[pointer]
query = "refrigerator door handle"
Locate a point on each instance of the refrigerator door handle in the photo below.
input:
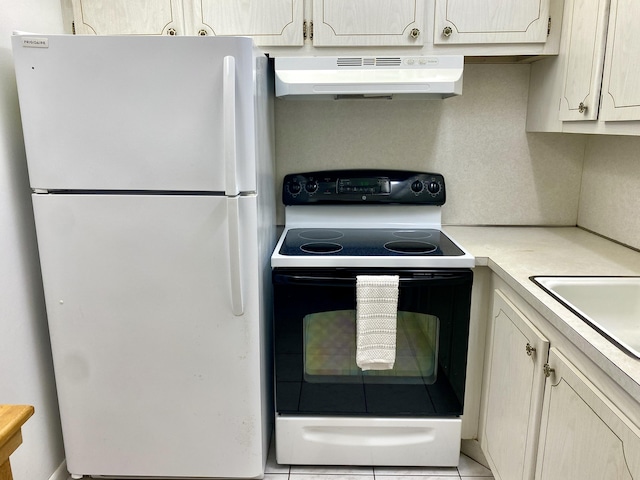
(235, 270)
(229, 126)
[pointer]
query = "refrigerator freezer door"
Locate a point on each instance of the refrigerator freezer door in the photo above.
(137, 113)
(156, 375)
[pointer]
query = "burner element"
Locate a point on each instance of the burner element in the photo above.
(412, 234)
(321, 247)
(320, 234)
(410, 247)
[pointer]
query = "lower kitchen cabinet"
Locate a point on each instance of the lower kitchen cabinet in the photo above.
(542, 417)
(515, 387)
(583, 436)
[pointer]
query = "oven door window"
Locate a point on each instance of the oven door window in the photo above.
(329, 346)
(315, 344)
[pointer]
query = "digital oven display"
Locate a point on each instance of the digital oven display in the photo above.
(364, 185)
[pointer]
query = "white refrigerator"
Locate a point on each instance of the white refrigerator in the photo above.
(151, 165)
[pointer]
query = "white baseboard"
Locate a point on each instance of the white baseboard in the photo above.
(61, 472)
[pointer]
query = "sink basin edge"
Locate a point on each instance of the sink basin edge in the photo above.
(608, 304)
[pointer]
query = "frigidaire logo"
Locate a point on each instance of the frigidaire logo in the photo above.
(35, 42)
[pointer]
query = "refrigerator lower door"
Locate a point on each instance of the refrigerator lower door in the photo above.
(156, 374)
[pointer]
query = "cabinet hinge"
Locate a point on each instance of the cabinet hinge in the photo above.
(307, 30)
(73, 27)
(549, 27)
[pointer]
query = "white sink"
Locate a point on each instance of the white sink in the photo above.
(611, 305)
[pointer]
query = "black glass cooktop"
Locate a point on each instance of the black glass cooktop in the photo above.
(363, 242)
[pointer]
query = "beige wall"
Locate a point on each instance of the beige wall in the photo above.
(26, 370)
(610, 199)
(496, 173)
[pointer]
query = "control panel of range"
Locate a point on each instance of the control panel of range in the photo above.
(364, 186)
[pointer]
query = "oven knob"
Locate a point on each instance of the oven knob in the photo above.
(433, 187)
(294, 188)
(311, 187)
(417, 186)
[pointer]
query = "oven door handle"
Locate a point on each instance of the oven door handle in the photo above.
(328, 280)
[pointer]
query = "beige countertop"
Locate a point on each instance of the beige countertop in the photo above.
(517, 253)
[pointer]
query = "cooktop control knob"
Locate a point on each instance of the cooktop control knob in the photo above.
(433, 187)
(311, 187)
(417, 186)
(294, 187)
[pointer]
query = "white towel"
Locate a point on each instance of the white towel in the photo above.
(376, 316)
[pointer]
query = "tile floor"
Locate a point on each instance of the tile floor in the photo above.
(467, 469)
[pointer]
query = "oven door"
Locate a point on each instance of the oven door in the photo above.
(315, 344)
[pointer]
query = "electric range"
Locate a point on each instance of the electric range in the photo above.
(340, 227)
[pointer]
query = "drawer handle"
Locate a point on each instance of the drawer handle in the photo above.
(415, 33)
(547, 370)
(582, 107)
(447, 31)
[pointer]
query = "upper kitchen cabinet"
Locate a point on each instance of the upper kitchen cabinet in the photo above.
(491, 21)
(272, 22)
(593, 86)
(589, 64)
(125, 17)
(621, 82)
(339, 27)
(368, 22)
(586, 32)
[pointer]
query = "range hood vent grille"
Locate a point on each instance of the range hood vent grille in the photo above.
(349, 62)
(368, 62)
(388, 61)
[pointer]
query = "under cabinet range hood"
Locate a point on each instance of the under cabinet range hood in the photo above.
(410, 77)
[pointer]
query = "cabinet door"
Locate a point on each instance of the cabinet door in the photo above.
(272, 22)
(583, 436)
(621, 83)
(368, 22)
(586, 30)
(515, 386)
(491, 21)
(127, 17)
